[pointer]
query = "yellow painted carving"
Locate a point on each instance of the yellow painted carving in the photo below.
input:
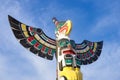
(69, 26)
(26, 34)
(23, 26)
(71, 73)
(95, 46)
(43, 42)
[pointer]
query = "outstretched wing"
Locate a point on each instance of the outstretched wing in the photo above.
(88, 52)
(34, 39)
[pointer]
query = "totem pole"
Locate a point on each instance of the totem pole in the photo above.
(69, 55)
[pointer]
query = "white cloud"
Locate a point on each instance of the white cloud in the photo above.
(2, 64)
(110, 18)
(43, 67)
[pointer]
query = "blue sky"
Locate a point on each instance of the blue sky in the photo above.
(93, 20)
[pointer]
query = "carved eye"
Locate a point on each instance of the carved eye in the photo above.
(63, 42)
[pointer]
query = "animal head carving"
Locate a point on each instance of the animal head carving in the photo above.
(63, 28)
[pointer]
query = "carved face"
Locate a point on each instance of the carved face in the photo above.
(67, 46)
(67, 52)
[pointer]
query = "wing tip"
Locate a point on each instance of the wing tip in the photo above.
(10, 17)
(100, 44)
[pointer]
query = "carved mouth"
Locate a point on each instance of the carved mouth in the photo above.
(68, 52)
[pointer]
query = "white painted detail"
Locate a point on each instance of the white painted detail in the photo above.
(62, 78)
(61, 36)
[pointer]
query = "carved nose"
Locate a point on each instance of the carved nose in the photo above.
(69, 46)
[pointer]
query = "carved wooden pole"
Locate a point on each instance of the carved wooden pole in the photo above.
(67, 67)
(70, 55)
